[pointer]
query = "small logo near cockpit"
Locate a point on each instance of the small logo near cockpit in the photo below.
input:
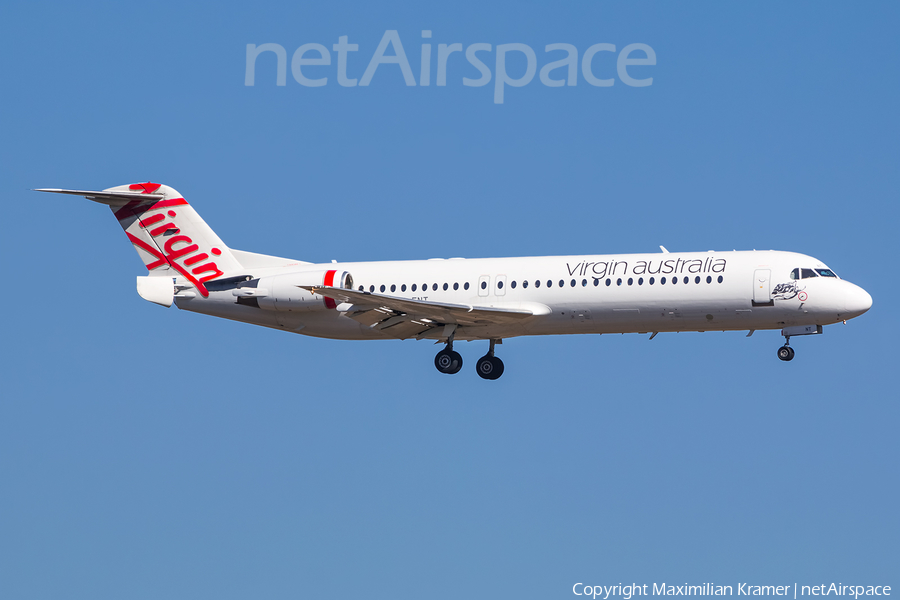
(787, 291)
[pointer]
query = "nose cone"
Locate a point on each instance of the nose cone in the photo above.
(856, 301)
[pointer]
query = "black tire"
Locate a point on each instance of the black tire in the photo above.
(448, 361)
(443, 361)
(786, 353)
(498, 367)
(489, 367)
(484, 367)
(457, 363)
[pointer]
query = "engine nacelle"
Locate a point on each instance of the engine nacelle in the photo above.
(282, 292)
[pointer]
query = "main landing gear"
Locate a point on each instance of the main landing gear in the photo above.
(449, 361)
(786, 353)
(489, 366)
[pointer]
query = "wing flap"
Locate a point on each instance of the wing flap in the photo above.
(404, 318)
(403, 328)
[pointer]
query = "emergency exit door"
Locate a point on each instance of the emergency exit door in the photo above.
(762, 288)
(484, 284)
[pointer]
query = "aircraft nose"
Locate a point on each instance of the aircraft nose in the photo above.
(856, 301)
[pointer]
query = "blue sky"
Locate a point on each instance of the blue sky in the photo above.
(150, 453)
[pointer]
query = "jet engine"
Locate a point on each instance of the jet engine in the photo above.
(283, 292)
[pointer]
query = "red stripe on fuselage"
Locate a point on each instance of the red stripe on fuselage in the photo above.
(329, 282)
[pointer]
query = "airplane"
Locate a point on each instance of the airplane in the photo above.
(456, 299)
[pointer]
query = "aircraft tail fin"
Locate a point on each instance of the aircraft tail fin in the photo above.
(168, 234)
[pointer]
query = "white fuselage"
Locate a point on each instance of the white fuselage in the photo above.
(711, 291)
(472, 299)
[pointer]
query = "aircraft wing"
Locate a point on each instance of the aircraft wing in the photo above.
(406, 318)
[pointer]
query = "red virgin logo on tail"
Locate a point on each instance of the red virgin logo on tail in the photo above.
(180, 251)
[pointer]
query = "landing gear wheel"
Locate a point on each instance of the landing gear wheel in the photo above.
(457, 363)
(786, 353)
(498, 367)
(448, 361)
(489, 367)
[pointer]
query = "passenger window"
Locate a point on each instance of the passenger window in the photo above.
(563, 283)
(393, 288)
(652, 281)
(686, 279)
(720, 279)
(403, 288)
(371, 288)
(484, 285)
(709, 279)
(608, 282)
(795, 274)
(466, 285)
(662, 281)
(674, 280)
(382, 288)
(640, 281)
(549, 283)
(413, 287)
(434, 287)
(445, 287)
(455, 286)
(808, 273)
(630, 281)
(572, 283)
(697, 279)
(513, 284)
(596, 282)
(537, 283)
(525, 284)
(500, 285)
(619, 281)
(360, 288)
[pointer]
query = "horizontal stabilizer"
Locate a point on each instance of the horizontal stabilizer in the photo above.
(169, 236)
(110, 198)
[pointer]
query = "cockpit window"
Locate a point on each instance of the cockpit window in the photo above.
(795, 274)
(826, 272)
(808, 273)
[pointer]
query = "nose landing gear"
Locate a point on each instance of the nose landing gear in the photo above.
(489, 366)
(786, 353)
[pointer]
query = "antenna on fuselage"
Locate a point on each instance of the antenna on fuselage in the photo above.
(663, 248)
